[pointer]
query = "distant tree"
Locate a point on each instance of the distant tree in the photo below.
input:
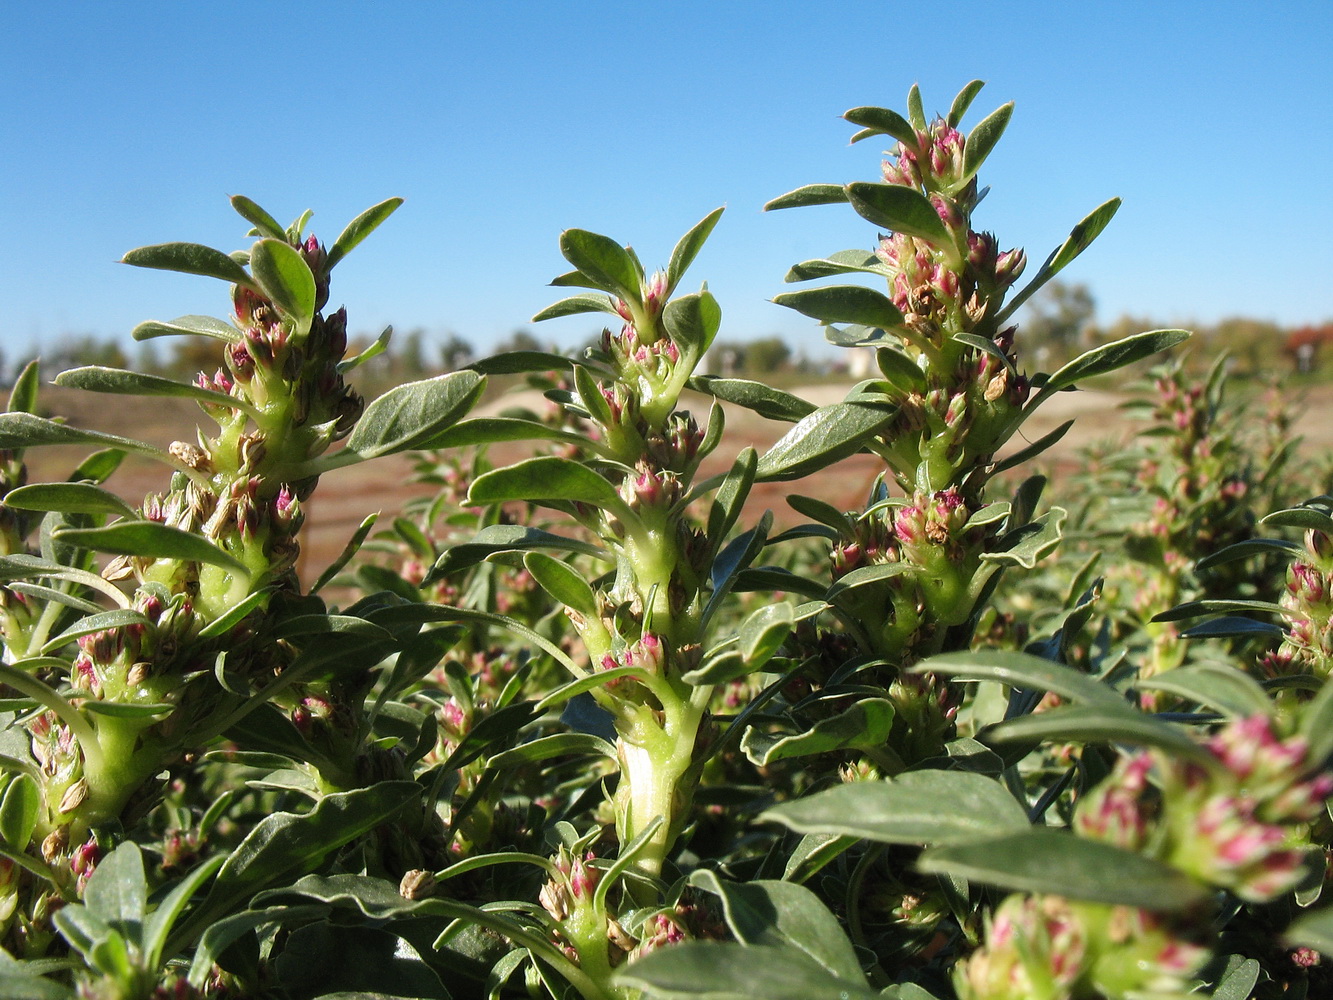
(519, 340)
(456, 353)
(409, 359)
(766, 355)
(1253, 343)
(1056, 319)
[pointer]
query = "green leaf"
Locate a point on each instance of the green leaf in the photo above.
(1239, 982)
(189, 258)
(576, 304)
(359, 228)
(1022, 670)
(784, 915)
(692, 322)
(918, 807)
(963, 101)
(95, 378)
(916, 112)
(767, 402)
(810, 194)
(154, 541)
(23, 430)
(159, 923)
(284, 845)
(204, 326)
(1109, 357)
(18, 985)
(408, 416)
(688, 248)
(764, 631)
(1079, 239)
(377, 347)
(982, 139)
(604, 261)
(334, 962)
(730, 498)
(69, 498)
(547, 477)
(1047, 860)
(1233, 625)
(1099, 724)
(521, 362)
(285, 278)
(1251, 547)
(1028, 544)
(1025, 455)
(563, 583)
(118, 618)
(349, 550)
(821, 438)
(23, 394)
(843, 304)
(19, 811)
(117, 892)
(557, 745)
(842, 262)
(497, 538)
(257, 217)
(866, 723)
(1219, 686)
(900, 209)
(884, 122)
(707, 970)
(1317, 724)
(1302, 518)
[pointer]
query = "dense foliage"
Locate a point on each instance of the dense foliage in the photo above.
(582, 725)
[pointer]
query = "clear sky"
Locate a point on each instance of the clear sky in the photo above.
(502, 122)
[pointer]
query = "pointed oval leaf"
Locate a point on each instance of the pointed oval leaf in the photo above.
(884, 122)
(1079, 239)
(762, 399)
(707, 970)
(154, 541)
(865, 724)
(1219, 686)
(916, 112)
(521, 362)
(23, 395)
(24, 430)
(843, 304)
(1229, 626)
(1303, 518)
(285, 278)
(204, 326)
(764, 632)
(557, 745)
(361, 227)
(117, 891)
(562, 582)
(963, 101)
(842, 262)
(1099, 724)
(1022, 670)
(982, 139)
(95, 378)
(1313, 930)
(189, 258)
(547, 477)
(693, 322)
(730, 497)
(576, 304)
(69, 498)
(19, 812)
(117, 618)
(603, 260)
(1110, 357)
(497, 538)
(825, 436)
(810, 194)
(688, 248)
(1046, 860)
(901, 209)
(409, 415)
(257, 217)
(918, 807)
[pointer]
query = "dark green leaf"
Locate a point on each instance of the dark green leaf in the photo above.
(842, 262)
(603, 260)
(1029, 543)
(23, 394)
(688, 248)
(361, 227)
(918, 807)
(1303, 518)
(563, 583)
(1219, 686)
(285, 278)
(189, 258)
(1109, 357)
(900, 209)
(576, 304)
(117, 891)
(257, 217)
(764, 631)
(557, 745)
(865, 724)
(1022, 671)
(547, 477)
(204, 326)
(982, 139)
(69, 498)
(19, 812)
(1098, 724)
(1046, 860)
(118, 618)
(349, 550)
(95, 378)
(784, 915)
(1031, 451)
(409, 415)
(692, 322)
(1313, 930)
(153, 540)
(706, 970)
(1079, 239)
(1317, 724)
(1251, 547)
(521, 362)
(498, 538)
(730, 498)
(821, 438)
(810, 194)
(884, 122)
(377, 347)
(963, 101)
(158, 924)
(23, 430)
(843, 304)
(328, 961)
(916, 112)
(1233, 625)
(824, 513)
(767, 402)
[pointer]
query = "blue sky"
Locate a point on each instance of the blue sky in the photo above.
(502, 123)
